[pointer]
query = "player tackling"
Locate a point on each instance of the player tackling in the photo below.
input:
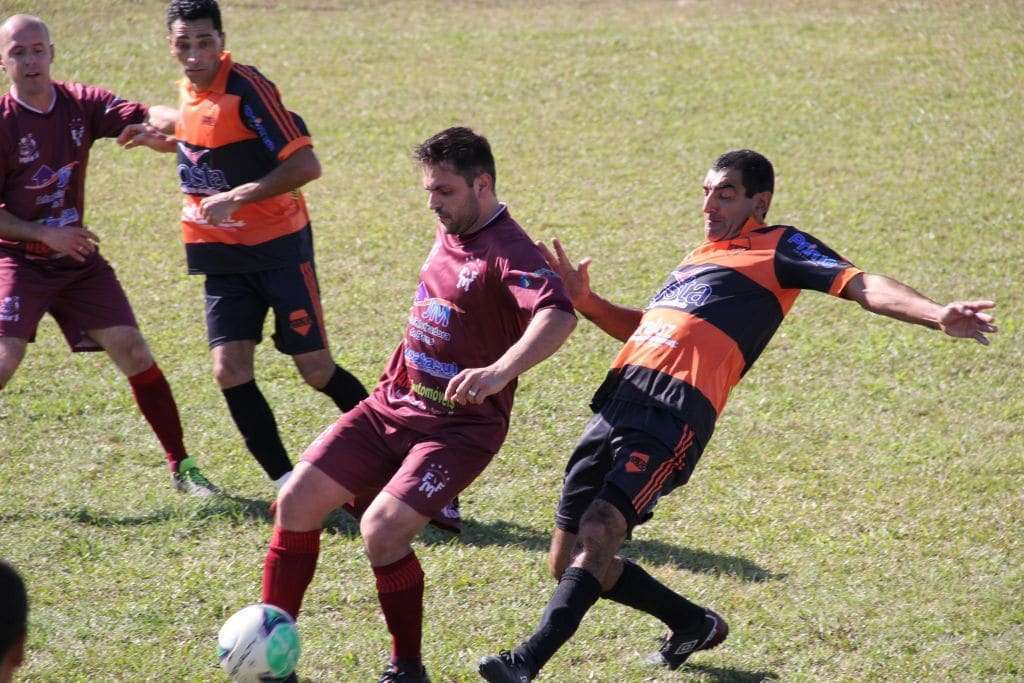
(656, 410)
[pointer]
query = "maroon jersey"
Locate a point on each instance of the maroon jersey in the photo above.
(43, 155)
(475, 297)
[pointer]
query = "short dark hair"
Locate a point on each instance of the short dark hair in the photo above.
(191, 10)
(755, 170)
(467, 153)
(13, 608)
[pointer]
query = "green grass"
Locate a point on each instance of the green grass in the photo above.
(857, 515)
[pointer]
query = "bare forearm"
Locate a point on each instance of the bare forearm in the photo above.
(615, 320)
(297, 170)
(543, 336)
(19, 230)
(885, 296)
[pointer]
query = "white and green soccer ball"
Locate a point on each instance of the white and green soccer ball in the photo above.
(258, 643)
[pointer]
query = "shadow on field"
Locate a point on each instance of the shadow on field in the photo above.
(504, 533)
(726, 675)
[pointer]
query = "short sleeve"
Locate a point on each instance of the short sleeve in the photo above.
(530, 281)
(109, 113)
(803, 262)
(282, 132)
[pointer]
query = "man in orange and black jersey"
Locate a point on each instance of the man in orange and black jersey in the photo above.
(656, 410)
(242, 157)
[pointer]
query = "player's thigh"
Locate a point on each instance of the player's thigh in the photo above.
(437, 468)
(589, 464)
(360, 451)
(12, 351)
(298, 315)
(95, 300)
(650, 462)
(308, 497)
(125, 346)
(26, 292)
(235, 308)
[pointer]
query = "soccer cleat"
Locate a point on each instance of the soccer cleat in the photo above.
(677, 647)
(505, 667)
(449, 518)
(188, 479)
(393, 675)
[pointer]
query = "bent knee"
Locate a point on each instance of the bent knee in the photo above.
(318, 377)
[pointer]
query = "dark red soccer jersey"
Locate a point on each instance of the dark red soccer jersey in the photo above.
(43, 155)
(475, 297)
(713, 317)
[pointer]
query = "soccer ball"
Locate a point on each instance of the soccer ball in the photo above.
(258, 643)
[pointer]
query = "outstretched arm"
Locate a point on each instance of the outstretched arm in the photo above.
(546, 332)
(618, 321)
(885, 296)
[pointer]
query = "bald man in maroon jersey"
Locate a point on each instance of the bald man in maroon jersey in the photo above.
(49, 260)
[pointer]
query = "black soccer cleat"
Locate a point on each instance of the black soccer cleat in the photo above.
(504, 668)
(678, 647)
(393, 675)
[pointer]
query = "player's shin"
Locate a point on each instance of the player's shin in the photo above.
(289, 567)
(400, 591)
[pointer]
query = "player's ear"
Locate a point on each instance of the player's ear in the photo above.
(483, 182)
(762, 202)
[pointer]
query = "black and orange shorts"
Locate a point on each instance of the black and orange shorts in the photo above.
(630, 455)
(237, 305)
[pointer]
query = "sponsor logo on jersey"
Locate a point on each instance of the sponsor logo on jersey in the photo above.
(300, 321)
(202, 180)
(256, 123)
(652, 332)
(432, 394)
(434, 479)
(65, 217)
(28, 149)
(46, 177)
(685, 292)
(430, 365)
(10, 309)
(637, 462)
(77, 130)
(810, 251)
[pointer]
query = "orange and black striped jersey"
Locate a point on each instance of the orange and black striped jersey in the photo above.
(236, 132)
(707, 325)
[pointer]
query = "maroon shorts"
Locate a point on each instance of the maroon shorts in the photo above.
(367, 453)
(80, 297)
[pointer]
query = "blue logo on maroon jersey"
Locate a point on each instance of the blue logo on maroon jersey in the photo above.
(45, 177)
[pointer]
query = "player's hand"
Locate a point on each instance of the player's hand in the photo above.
(473, 385)
(218, 208)
(145, 135)
(575, 278)
(78, 243)
(966, 319)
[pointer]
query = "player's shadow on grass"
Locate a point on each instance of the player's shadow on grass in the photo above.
(727, 675)
(652, 552)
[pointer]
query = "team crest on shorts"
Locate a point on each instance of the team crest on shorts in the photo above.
(637, 462)
(300, 321)
(10, 309)
(435, 479)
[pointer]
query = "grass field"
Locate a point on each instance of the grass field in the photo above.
(857, 516)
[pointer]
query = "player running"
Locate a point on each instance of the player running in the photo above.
(486, 309)
(656, 410)
(49, 261)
